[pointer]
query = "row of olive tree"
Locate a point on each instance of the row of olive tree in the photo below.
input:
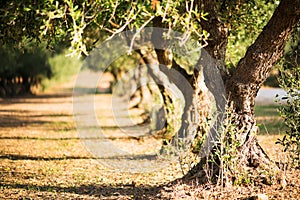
(210, 23)
(27, 67)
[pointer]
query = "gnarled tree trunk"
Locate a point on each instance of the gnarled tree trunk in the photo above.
(252, 70)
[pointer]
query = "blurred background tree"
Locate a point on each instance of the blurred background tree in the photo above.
(22, 68)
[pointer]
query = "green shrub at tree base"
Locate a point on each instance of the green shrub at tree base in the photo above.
(289, 80)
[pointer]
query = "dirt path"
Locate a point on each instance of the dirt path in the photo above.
(43, 157)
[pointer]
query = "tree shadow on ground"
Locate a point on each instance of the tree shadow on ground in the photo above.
(9, 121)
(98, 191)
(38, 158)
(30, 114)
(36, 99)
(21, 118)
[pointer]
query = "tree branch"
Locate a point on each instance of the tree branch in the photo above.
(265, 52)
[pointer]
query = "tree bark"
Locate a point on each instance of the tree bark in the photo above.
(252, 71)
(254, 68)
(191, 86)
(161, 79)
(218, 34)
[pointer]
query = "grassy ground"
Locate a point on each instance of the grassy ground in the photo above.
(269, 120)
(42, 157)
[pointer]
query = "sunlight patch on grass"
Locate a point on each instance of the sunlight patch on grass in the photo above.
(269, 120)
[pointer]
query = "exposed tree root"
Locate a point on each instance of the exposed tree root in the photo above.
(252, 165)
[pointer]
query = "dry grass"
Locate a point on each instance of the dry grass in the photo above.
(42, 157)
